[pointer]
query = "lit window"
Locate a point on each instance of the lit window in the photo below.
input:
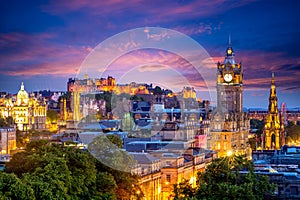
(225, 145)
(168, 178)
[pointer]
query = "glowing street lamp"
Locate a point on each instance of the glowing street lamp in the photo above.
(229, 153)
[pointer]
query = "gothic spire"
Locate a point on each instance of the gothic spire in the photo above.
(273, 87)
(273, 107)
(229, 57)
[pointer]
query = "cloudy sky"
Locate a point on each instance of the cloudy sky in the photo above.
(43, 43)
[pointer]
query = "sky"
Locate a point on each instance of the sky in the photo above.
(43, 43)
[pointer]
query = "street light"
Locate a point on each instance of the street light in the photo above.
(229, 153)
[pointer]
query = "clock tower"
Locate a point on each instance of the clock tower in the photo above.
(230, 84)
(229, 124)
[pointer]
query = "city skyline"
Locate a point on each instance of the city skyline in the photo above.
(44, 44)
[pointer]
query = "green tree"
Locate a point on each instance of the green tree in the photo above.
(11, 187)
(183, 190)
(259, 125)
(118, 163)
(111, 155)
(115, 140)
(107, 96)
(36, 145)
(223, 180)
(58, 172)
(292, 132)
(158, 90)
(106, 185)
(3, 122)
(52, 116)
(41, 155)
(52, 181)
(10, 121)
(136, 98)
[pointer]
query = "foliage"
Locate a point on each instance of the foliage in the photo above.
(227, 178)
(111, 155)
(106, 185)
(52, 116)
(157, 90)
(107, 97)
(20, 138)
(50, 171)
(136, 98)
(292, 132)
(256, 124)
(115, 140)
(50, 182)
(66, 96)
(259, 125)
(12, 188)
(6, 122)
(183, 190)
(36, 145)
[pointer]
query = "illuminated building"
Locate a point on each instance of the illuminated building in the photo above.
(108, 84)
(274, 129)
(7, 140)
(27, 111)
(288, 114)
(229, 125)
(149, 173)
(159, 170)
(188, 92)
(81, 87)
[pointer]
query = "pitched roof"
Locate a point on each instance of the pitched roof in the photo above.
(144, 158)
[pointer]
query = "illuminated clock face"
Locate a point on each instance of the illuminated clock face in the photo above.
(229, 51)
(227, 77)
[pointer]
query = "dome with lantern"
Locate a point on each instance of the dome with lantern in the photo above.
(22, 96)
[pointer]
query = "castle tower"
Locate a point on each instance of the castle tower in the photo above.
(272, 121)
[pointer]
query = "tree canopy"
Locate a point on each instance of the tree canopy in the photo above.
(6, 122)
(51, 171)
(52, 116)
(292, 132)
(230, 177)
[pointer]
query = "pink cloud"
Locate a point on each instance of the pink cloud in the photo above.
(30, 55)
(197, 29)
(149, 9)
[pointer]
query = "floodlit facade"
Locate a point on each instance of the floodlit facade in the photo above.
(29, 112)
(7, 140)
